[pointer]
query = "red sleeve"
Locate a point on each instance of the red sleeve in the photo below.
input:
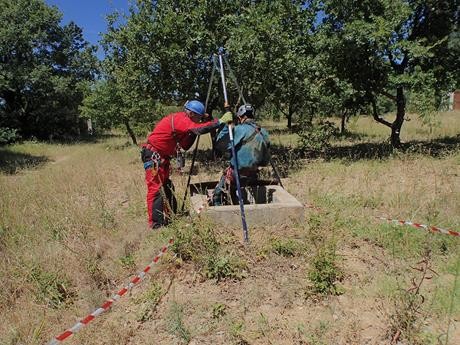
(183, 124)
(187, 141)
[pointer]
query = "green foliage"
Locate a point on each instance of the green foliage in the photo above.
(273, 54)
(161, 52)
(43, 65)
(423, 99)
(127, 261)
(218, 310)
(385, 48)
(316, 137)
(284, 247)
(8, 136)
(199, 243)
(236, 331)
(193, 241)
(324, 272)
(224, 266)
(50, 287)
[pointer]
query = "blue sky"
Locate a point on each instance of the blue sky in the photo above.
(89, 15)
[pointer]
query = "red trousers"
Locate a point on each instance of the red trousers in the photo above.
(161, 201)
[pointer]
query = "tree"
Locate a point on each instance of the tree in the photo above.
(42, 66)
(161, 52)
(271, 46)
(386, 47)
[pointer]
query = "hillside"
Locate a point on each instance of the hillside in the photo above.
(73, 232)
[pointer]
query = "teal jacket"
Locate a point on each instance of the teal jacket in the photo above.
(251, 144)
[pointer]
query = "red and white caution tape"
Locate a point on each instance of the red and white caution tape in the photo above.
(108, 303)
(422, 226)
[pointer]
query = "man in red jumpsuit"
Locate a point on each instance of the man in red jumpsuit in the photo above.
(172, 133)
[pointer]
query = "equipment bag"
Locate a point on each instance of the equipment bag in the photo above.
(259, 146)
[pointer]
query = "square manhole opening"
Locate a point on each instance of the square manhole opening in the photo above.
(254, 193)
(266, 203)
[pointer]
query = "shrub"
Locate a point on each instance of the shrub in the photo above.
(324, 272)
(221, 267)
(8, 136)
(316, 137)
(148, 301)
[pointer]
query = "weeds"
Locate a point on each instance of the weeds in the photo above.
(316, 335)
(324, 273)
(50, 288)
(199, 244)
(405, 322)
(176, 323)
(284, 247)
(221, 267)
(236, 332)
(218, 310)
(149, 300)
(57, 207)
(127, 261)
(194, 241)
(263, 325)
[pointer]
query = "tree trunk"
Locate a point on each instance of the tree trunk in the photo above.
(400, 113)
(289, 120)
(342, 123)
(289, 117)
(130, 132)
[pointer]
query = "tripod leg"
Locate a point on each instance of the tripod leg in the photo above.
(277, 175)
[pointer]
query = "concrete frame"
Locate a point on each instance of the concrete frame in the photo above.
(282, 208)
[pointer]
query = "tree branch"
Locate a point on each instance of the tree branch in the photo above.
(377, 117)
(389, 95)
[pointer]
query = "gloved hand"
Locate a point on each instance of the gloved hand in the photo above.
(226, 118)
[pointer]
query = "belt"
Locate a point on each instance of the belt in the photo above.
(150, 147)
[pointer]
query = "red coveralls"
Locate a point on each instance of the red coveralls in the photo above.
(174, 130)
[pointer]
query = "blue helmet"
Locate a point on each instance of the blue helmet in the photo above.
(195, 106)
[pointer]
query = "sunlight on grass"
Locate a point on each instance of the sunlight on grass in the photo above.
(73, 228)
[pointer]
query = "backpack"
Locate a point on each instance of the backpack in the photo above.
(258, 145)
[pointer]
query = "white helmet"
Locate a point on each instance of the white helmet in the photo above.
(245, 110)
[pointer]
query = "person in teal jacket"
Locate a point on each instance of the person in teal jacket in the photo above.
(251, 147)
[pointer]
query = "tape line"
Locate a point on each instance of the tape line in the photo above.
(422, 226)
(108, 303)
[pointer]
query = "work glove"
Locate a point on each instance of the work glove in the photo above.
(226, 118)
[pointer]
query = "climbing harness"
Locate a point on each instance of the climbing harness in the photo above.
(151, 159)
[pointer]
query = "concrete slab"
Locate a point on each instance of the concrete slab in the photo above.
(265, 204)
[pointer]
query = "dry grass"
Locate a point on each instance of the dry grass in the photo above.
(73, 230)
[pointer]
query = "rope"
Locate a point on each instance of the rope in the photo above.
(232, 75)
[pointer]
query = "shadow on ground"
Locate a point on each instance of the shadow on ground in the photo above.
(434, 148)
(289, 159)
(13, 162)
